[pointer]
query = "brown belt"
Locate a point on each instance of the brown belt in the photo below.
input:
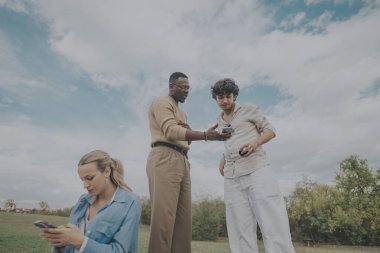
(172, 146)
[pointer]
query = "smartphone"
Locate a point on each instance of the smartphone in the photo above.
(228, 130)
(43, 224)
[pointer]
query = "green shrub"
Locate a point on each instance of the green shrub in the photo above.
(146, 211)
(208, 219)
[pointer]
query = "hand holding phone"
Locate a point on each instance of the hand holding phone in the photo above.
(43, 224)
(228, 130)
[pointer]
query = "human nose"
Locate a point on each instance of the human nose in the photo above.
(85, 184)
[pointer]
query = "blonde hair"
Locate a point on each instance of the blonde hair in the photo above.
(103, 160)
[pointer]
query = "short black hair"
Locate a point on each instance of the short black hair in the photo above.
(224, 86)
(173, 77)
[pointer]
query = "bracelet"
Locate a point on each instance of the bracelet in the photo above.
(205, 135)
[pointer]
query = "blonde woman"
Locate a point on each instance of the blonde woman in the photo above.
(106, 219)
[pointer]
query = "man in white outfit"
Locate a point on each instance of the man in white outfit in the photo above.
(251, 192)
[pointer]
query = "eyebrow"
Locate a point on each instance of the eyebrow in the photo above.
(88, 177)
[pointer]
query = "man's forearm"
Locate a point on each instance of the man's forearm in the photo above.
(210, 135)
(195, 135)
(266, 136)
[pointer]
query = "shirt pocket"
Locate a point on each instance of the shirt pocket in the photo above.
(104, 231)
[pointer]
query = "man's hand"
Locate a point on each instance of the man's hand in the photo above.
(221, 166)
(248, 148)
(251, 147)
(213, 135)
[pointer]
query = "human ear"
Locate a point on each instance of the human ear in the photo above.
(107, 171)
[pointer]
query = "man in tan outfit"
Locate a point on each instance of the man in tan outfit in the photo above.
(168, 169)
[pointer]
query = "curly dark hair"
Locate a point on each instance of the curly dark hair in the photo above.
(224, 86)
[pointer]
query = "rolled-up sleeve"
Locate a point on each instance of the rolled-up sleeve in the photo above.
(257, 118)
(164, 114)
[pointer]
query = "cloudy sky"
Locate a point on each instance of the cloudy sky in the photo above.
(80, 75)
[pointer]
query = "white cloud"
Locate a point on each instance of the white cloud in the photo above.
(313, 145)
(140, 44)
(39, 161)
(41, 164)
(322, 21)
(14, 5)
(313, 2)
(145, 38)
(298, 18)
(344, 61)
(294, 21)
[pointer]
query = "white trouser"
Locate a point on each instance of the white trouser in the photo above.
(256, 199)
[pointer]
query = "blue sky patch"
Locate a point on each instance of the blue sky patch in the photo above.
(65, 96)
(287, 10)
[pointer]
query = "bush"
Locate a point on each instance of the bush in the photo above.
(208, 220)
(344, 213)
(146, 211)
(65, 212)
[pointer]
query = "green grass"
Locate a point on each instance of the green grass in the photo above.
(19, 235)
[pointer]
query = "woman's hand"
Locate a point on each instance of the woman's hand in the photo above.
(63, 236)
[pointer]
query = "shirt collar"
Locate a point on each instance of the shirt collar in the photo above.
(236, 108)
(174, 101)
(118, 196)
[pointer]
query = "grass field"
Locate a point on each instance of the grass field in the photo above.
(19, 235)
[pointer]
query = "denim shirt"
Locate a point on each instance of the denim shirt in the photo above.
(115, 227)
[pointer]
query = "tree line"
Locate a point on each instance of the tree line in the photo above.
(347, 212)
(44, 208)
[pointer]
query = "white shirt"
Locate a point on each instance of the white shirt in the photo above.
(248, 123)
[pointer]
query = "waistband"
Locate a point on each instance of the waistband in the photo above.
(170, 145)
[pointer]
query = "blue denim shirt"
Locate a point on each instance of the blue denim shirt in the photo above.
(115, 227)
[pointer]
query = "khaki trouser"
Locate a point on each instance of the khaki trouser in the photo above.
(170, 194)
